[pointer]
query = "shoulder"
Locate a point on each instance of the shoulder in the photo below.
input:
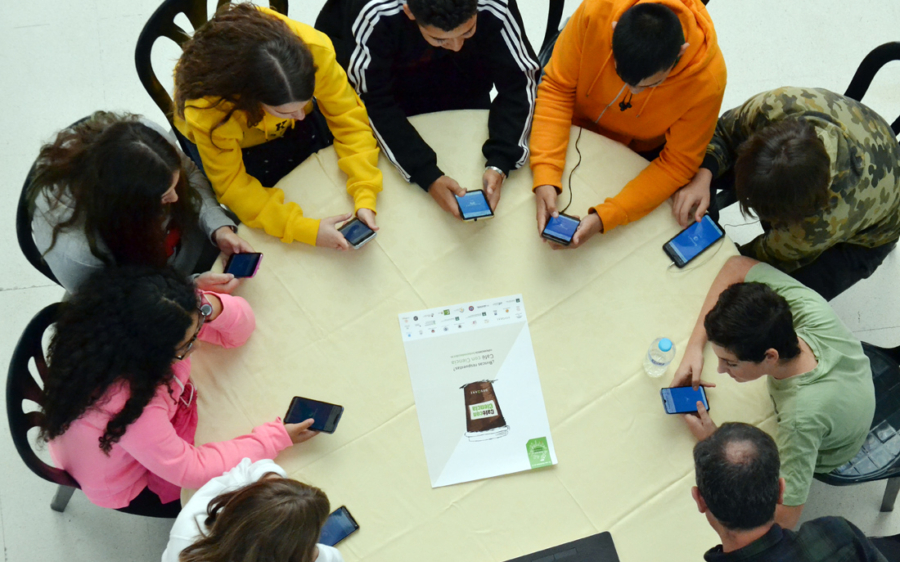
(372, 14)
(836, 531)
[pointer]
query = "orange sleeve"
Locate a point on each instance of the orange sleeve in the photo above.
(556, 103)
(686, 142)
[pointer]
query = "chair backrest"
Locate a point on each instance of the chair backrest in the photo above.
(21, 386)
(162, 24)
(870, 66)
(23, 231)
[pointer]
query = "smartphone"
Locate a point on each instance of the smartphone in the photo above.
(683, 399)
(357, 233)
(325, 416)
(474, 205)
(561, 229)
(339, 525)
(243, 265)
(693, 240)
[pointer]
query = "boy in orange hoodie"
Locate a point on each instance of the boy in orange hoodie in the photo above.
(647, 74)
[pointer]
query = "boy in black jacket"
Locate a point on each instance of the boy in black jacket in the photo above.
(419, 56)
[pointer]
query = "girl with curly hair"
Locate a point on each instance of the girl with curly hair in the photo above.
(120, 411)
(114, 189)
(249, 89)
(252, 513)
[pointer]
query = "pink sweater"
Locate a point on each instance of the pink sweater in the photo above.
(150, 450)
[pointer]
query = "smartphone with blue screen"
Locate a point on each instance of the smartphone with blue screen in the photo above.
(693, 241)
(357, 233)
(561, 229)
(243, 265)
(325, 416)
(474, 205)
(339, 525)
(683, 399)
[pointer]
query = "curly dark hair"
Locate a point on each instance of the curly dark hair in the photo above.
(274, 518)
(445, 15)
(244, 58)
(116, 170)
(122, 327)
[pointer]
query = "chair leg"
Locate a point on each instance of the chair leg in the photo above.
(63, 495)
(890, 494)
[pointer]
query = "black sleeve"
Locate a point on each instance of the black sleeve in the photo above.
(370, 73)
(515, 70)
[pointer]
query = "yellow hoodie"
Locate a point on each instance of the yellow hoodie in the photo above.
(581, 81)
(264, 207)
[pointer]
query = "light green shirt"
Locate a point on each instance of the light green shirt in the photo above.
(823, 415)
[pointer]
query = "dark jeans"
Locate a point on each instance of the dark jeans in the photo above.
(837, 269)
(271, 161)
(148, 504)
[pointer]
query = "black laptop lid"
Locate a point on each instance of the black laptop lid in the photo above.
(596, 548)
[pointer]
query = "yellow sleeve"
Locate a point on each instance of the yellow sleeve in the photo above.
(348, 121)
(256, 206)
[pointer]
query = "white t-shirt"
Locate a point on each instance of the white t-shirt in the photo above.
(185, 531)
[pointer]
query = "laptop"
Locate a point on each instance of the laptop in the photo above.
(596, 548)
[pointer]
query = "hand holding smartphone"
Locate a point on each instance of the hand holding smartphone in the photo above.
(474, 205)
(693, 240)
(243, 265)
(683, 399)
(325, 416)
(357, 233)
(560, 229)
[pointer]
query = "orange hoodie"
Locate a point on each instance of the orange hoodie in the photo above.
(581, 81)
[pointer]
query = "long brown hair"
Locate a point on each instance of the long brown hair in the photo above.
(116, 170)
(273, 519)
(245, 58)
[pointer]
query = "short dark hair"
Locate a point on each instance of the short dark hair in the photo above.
(782, 172)
(647, 40)
(737, 470)
(750, 318)
(446, 15)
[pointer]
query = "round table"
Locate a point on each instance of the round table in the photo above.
(327, 329)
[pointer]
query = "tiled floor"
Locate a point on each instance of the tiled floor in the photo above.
(62, 60)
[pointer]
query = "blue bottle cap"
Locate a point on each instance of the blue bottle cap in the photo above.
(665, 345)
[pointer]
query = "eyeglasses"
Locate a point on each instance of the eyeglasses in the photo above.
(205, 310)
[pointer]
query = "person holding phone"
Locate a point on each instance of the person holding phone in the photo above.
(646, 73)
(409, 57)
(762, 323)
(252, 512)
(113, 189)
(255, 94)
(824, 184)
(119, 407)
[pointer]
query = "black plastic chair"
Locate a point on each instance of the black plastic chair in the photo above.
(870, 66)
(21, 386)
(879, 458)
(162, 24)
(23, 232)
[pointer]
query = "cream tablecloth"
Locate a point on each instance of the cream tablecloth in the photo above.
(327, 328)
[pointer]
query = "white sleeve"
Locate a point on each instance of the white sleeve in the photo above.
(189, 522)
(327, 554)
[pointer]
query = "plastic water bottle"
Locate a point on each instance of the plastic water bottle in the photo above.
(658, 357)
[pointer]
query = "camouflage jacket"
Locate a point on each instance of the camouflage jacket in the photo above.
(864, 208)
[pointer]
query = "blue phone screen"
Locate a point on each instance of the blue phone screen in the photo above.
(696, 238)
(683, 399)
(243, 265)
(474, 205)
(337, 527)
(355, 232)
(561, 227)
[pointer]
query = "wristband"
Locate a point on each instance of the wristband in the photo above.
(496, 169)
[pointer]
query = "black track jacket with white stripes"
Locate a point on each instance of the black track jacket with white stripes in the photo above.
(398, 74)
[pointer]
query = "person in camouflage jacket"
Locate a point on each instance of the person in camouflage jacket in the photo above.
(828, 240)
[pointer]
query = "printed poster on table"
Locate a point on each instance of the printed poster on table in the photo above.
(477, 391)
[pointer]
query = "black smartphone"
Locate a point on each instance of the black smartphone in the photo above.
(325, 416)
(474, 205)
(243, 265)
(356, 232)
(339, 525)
(693, 240)
(683, 399)
(561, 229)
